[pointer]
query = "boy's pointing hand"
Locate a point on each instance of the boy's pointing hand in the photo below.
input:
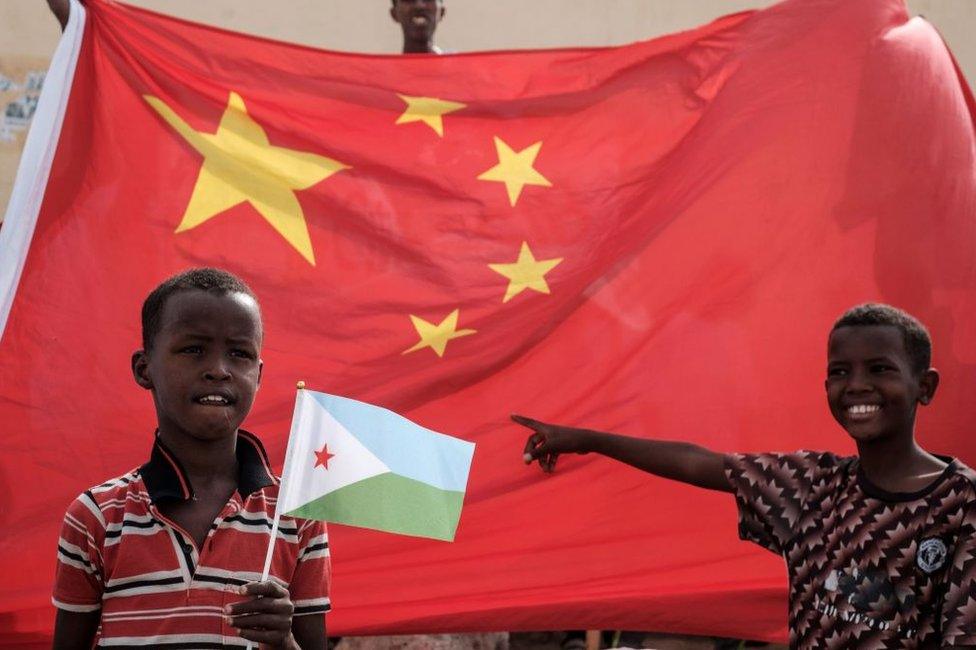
(547, 441)
(266, 618)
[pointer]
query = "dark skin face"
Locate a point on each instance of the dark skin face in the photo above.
(419, 20)
(874, 392)
(203, 368)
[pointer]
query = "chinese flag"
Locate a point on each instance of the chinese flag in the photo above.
(651, 239)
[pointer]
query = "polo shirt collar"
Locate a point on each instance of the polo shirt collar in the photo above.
(165, 478)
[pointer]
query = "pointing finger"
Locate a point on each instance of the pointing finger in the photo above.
(526, 422)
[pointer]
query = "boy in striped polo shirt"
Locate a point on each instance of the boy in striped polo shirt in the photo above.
(170, 554)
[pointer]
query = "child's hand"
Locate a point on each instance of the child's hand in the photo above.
(548, 441)
(265, 618)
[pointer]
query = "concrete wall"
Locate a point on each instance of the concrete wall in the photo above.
(28, 33)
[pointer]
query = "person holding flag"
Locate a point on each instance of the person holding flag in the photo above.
(419, 20)
(169, 554)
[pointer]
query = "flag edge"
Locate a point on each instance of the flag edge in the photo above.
(36, 161)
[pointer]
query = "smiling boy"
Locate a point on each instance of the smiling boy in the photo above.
(880, 547)
(170, 554)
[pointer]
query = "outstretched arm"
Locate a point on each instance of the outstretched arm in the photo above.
(60, 9)
(680, 461)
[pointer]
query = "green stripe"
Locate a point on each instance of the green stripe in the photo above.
(392, 503)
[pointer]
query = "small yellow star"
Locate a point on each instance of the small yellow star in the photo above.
(429, 110)
(515, 169)
(240, 165)
(437, 336)
(525, 273)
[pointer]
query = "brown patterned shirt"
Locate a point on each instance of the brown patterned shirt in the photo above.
(867, 568)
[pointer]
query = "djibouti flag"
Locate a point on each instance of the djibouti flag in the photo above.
(353, 463)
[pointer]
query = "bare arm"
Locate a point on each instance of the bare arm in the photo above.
(679, 461)
(309, 631)
(75, 630)
(60, 9)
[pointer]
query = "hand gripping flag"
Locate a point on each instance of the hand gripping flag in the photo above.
(652, 239)
(354, 463)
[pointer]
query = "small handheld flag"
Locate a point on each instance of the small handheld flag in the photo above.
(353, 463)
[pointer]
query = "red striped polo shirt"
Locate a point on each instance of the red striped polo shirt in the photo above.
(154, 587)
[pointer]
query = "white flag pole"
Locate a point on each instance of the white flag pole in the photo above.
(282, 489)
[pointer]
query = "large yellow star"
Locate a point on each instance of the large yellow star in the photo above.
(240, 165)
(437, 336)
(525, 273)
(429, 110)
(515, 169)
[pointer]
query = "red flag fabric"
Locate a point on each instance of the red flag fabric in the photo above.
(651, 239)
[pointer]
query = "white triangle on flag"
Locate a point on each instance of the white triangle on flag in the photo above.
(351, 462)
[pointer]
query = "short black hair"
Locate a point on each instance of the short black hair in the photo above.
(918, 343)
(211, 280)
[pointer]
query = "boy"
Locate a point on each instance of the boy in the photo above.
(418, 19)
(169, 554)
(880, 547)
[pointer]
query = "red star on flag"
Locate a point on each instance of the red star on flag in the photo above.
(322, 457)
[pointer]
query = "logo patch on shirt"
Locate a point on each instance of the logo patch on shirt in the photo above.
(932, 554)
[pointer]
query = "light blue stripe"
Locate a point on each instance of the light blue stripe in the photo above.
(408, 449)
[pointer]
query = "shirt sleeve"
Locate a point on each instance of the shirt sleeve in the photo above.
(309, 586)
(78, 577)
(959, 606)
(770, 491)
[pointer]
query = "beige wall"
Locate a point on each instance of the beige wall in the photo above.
(28, 33)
